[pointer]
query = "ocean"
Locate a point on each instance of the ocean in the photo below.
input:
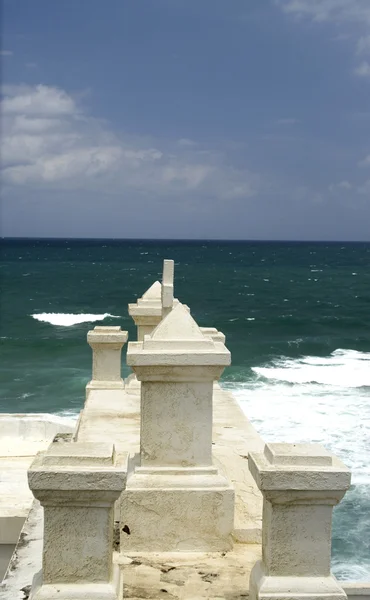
(296, 318)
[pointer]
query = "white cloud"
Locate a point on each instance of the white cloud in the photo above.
(192, 176)
(49, 140)
(340, 11)
(352, 17)
(365, 162)
(6, 53)
(363, 45)
(341, 186)
(186, 142)
(363, 69)
(24, 124)
(39, 100)
(344, 185)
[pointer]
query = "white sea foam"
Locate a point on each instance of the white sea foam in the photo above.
(351, 572)
(327, 404)
(68, 319)
(320, 400)
(343, 368)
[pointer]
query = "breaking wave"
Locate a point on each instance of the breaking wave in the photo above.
(322, 400)
(343, 368)
(69, 319)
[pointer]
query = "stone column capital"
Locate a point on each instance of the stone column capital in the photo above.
(178, 344)
(299, 472)
(102, 336)
(82, 472)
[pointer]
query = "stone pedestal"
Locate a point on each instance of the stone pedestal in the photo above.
(176, 500)
(77, 484)
(147, 314)
(106, 344)
(147, 311)
(300, 484)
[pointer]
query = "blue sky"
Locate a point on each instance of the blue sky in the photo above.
(222, 119)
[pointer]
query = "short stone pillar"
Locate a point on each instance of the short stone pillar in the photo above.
(167, 287)
(300, 484)
(147, 311)
(176, 500)
(77, 484)
(106, 344)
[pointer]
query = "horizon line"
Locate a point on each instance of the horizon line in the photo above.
(138, 239)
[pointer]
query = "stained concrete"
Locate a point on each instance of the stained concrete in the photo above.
(114, 415)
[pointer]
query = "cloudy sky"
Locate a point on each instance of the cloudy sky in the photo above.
(244, 119)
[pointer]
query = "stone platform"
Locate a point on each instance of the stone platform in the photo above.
(189, 575)
(114, 416)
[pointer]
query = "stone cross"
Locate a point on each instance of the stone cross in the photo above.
(167, 286)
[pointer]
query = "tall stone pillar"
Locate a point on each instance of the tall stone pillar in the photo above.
(106, 344)
(77, 484)
(176, 500)
(300, 483)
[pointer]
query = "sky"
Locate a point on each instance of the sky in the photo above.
(210, 119)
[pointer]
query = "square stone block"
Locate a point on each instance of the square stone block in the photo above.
(177, 520)
(80, 454)
(311, 455)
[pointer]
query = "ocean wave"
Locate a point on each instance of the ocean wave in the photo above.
(345, 572)
(69, 319)
(334, 410)
(343, 368)
(69, 415)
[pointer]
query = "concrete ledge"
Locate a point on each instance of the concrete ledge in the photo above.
(26, 559)
(22, 436)
(356, 590)
(33, 426)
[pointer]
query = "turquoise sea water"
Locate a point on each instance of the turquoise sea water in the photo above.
(296, 318)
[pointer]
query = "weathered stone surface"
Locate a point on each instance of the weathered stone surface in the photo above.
(300, 485)
(21, 437)
(167, 287)
(147, 311)
(106, 344)
(176, 488)
(189, 576)
(115, 416)
(77, 484)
